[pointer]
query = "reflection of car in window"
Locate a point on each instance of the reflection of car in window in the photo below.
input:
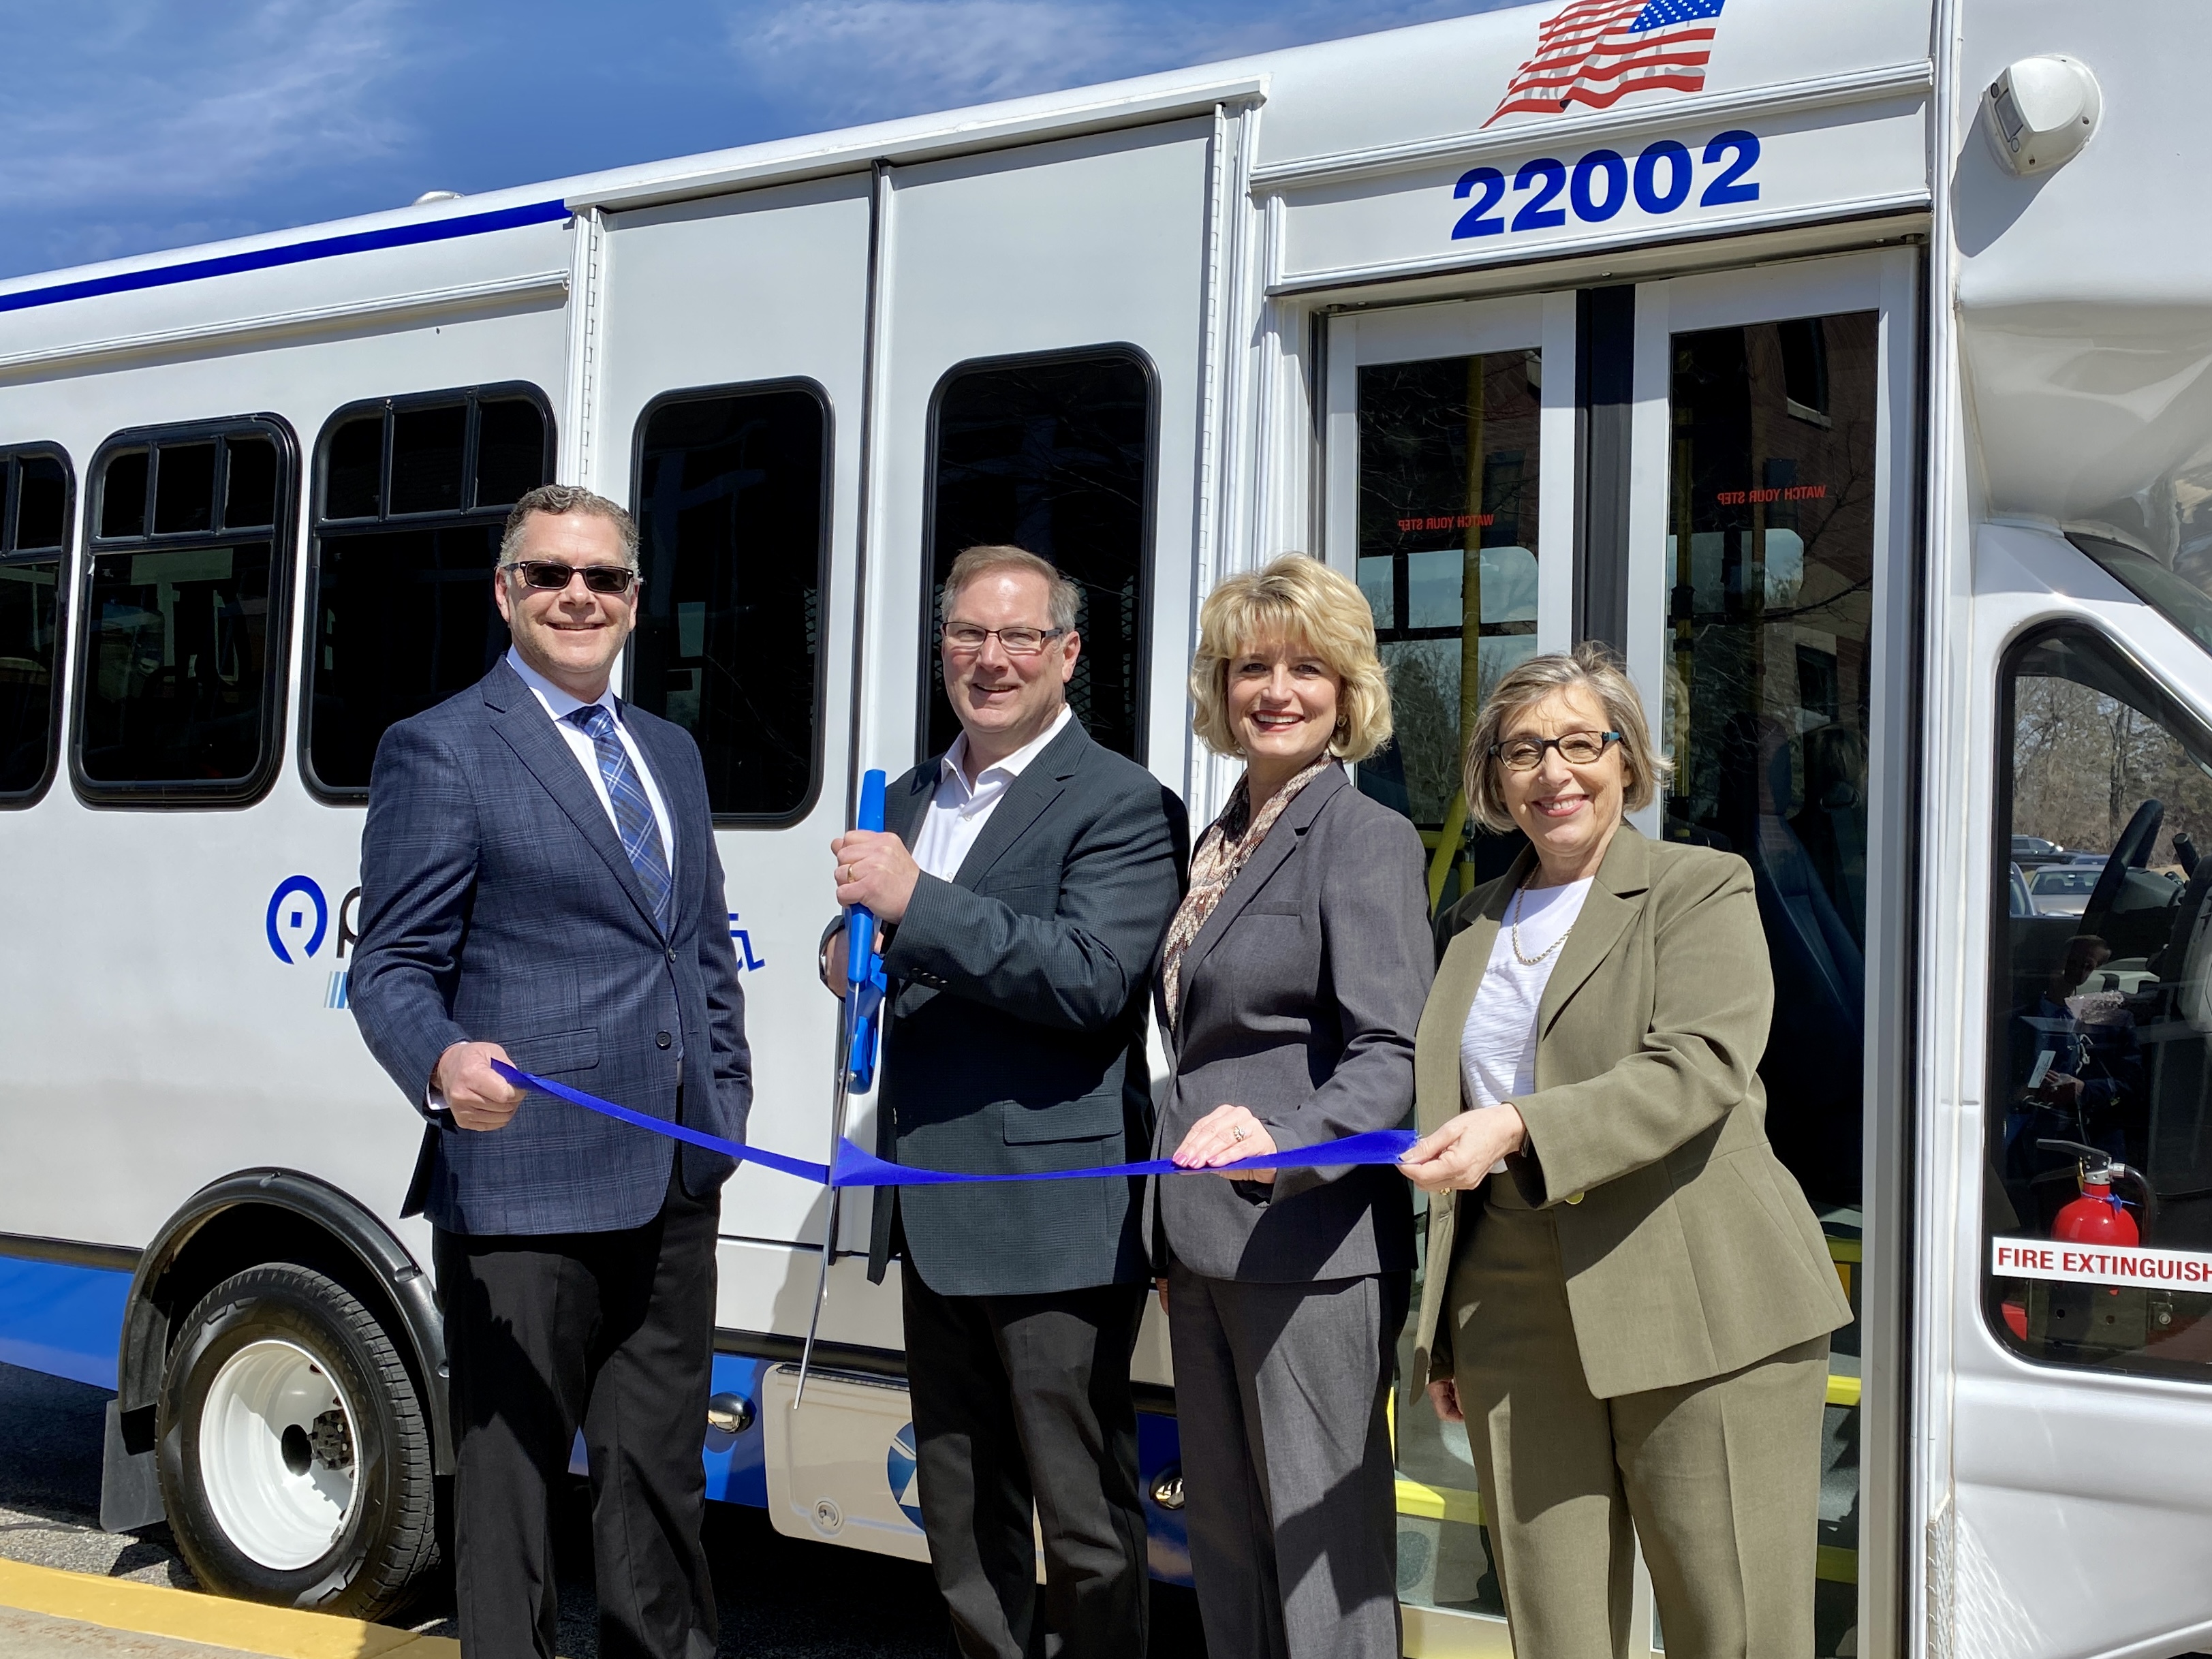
(2023, 901)
(2063, 889)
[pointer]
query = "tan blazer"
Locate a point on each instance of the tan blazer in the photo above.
(1689, 1251)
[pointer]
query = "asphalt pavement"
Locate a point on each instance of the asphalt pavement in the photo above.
(780, 1598)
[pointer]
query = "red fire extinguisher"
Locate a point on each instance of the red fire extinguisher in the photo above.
(2100, 1216)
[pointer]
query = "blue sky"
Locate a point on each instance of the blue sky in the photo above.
(127, 126)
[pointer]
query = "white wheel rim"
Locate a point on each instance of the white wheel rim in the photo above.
(278, 1455)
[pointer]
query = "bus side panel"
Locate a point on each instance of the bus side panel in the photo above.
(156, 1040)
(62, 1319)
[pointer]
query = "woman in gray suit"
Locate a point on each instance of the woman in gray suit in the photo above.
(1289, 988)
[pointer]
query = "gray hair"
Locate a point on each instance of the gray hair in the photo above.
(1064, 599)
(556, 500)
(1529, 682)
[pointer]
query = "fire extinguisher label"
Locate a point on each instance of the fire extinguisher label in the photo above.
(2100, 1264)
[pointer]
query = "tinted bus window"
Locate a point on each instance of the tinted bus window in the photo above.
(1449, 474)
(181, 686)
(33, 530)
(1054, 456)
(413, 496)
(732, 536)
(2099, 1114)
(1767, 704)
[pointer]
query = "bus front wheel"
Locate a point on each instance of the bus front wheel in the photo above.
(295, 1457)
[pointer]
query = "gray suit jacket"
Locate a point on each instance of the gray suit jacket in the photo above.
(1016, 1035)
(1300, 999)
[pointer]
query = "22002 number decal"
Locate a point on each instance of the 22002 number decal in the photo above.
(1600, 184)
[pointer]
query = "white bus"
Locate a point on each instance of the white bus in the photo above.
(1847, 366)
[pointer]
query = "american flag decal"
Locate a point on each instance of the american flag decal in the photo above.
(1598, 51)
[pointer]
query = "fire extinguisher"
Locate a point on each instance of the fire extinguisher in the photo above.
(2100, 1216)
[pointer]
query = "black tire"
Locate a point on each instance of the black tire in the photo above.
(379, 1436)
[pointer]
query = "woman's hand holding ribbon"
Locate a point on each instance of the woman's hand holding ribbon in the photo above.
(1460, 1154)
(1223, 1135)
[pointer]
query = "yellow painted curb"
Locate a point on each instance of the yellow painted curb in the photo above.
(189, 1616)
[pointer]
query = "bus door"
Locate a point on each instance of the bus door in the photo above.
(728, 417)
(1038, 317)
(1450, 497)
(1768, 592)
(1721, 498)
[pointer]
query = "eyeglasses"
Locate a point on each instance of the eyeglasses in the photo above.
(967, 638)
(550, 575)
(1575, 748)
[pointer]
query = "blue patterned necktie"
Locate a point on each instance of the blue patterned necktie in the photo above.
(640, 836)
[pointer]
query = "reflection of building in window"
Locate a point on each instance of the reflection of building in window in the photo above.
(1768, 695)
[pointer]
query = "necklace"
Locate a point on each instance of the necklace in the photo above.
(1513, 924)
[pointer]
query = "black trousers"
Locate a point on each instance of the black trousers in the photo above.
(612, 1333)
(1022, 1400)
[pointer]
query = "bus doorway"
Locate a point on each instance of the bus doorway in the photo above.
(1743, 533)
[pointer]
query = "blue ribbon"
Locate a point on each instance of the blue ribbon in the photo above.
(855, 1168)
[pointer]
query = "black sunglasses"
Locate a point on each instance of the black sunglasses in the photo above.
(550, 575)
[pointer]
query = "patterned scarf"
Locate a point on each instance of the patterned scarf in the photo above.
(1223, 852)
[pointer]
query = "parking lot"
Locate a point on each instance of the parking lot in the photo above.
(780, 1598)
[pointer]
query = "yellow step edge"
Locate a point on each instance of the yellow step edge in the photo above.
(1843, 1390)
(1439, 1503)
(190, 1616)
(1846, 1249)
(1838, 1566)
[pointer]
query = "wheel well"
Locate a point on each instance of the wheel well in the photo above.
(270, 1216)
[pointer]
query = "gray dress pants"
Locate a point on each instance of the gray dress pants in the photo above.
(1289, 1495)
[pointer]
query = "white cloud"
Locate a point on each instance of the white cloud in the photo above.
(849, 60)
(175, 107)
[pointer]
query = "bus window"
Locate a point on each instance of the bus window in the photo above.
(733, 536)
(1447, 494)
(412, 495)
(1054, 454)
(1766, 707)
(179, 689)
(1770, 546)
(33, 531)
(2101, 1004)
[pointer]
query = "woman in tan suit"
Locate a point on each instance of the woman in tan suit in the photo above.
(1633, 1315)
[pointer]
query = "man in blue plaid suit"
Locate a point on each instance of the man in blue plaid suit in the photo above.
(539, 885)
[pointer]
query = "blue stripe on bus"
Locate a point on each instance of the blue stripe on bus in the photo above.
(292, 253)
(63, 1319)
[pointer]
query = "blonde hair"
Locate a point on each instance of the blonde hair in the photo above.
(1064, 599)
(1529, 682)
(1301, 601)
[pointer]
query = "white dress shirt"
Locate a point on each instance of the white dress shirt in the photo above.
(559, 705)
(958, 811)
(1498, 1045)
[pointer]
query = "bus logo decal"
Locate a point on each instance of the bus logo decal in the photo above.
(289, 908)
(899, 1470)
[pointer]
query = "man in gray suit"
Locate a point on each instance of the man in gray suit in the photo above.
(1024, 881)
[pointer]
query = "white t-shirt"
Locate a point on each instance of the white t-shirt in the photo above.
(1498, 1045)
